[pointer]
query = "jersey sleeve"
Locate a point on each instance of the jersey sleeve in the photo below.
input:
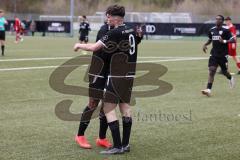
(234, 31)
(4, 20)
(88, 27)
(103, 30)
(80, 27)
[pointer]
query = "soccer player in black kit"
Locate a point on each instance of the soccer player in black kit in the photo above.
(97, 83)
(121, 44)
(84, 29)
(219, 36)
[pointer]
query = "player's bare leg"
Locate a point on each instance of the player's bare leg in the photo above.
(84, 122)
(237, 61)
(227, 74)
(211, 75)
(18, 37)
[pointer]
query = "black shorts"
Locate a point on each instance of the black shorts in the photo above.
(96, 86)
(218, 61)
(2, 35)
(83, 38)
(118, 90)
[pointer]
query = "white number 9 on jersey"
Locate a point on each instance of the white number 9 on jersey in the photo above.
(132, 44)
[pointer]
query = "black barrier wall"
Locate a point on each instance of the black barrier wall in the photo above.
(176, 29)
(47, 26)
(161, 29)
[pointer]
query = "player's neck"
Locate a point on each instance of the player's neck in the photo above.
(219, 26)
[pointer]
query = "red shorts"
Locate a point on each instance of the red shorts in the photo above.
(232, 49)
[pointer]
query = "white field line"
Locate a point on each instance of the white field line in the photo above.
(60, 58)
(33, 59)
(153, 61)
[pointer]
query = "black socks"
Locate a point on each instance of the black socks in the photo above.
(114, 127)
(3, 48)
(85, 120)
(127, 125)
(103, 125)
(209, 86)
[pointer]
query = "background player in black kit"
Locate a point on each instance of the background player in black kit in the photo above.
(84, 29)
(96, 83)
(121, 44)
(219, 36)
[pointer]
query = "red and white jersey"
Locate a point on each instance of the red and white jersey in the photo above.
(233, 30)
(232, 47)
(17, 24)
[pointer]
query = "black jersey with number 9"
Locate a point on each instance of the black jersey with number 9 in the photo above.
(122, 41)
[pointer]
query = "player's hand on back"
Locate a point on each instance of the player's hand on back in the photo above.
(139, 31)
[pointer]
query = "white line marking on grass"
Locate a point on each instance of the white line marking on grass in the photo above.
(33, 59)
(47, 67)
(40, 67)
(174, 60)
(60, 58)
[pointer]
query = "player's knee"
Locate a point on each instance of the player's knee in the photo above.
(212, 71)
(93, 103)
(126, 112)
(125, 109)
(87, 114)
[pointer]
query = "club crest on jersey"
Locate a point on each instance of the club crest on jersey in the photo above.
(105, 37)
(220, 32)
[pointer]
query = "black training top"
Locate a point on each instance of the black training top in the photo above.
(219, 49)
(84, 28)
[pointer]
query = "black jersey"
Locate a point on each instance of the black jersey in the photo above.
(100, 56)
(121, 42)
(103, 30)
(84, 28)
(219, 49)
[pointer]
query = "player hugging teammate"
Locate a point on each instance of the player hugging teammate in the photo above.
(120, 47)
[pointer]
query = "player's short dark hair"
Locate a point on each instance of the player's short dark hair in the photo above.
(85, 17)
(228, 18)
(221, 17)
(116, 10)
